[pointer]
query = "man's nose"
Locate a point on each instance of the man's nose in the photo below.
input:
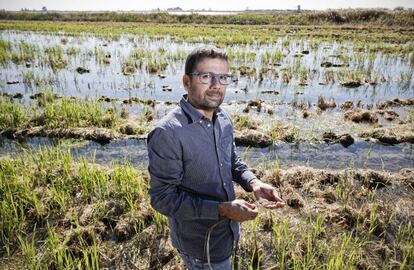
(215, 81)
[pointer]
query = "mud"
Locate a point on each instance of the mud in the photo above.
(392, 134)
(99, 135)
(388, 114)
(252, 138)
(325, 104)
(351, 84)
(345, 139)
(347, 105)
(381, 105)
(82, 70)
(359, 115)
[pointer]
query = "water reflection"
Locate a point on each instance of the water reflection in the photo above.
(365, 155)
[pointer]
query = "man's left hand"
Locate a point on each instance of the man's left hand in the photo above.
(266, 194)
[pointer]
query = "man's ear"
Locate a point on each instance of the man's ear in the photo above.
(186, 82)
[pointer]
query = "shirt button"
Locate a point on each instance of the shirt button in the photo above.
(201, 121)
(208, 125)
(224, 184)
(221, 164)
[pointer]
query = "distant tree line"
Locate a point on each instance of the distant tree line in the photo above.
(398, 17)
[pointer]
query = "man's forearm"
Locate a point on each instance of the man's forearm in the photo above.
(170, 201)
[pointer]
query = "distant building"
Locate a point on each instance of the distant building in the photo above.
(44, 9)
(175, 9)
(298, 10)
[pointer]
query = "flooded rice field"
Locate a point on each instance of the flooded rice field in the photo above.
(325, 117)
(292, 80)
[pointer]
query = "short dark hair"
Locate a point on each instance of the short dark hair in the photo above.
(198, 54)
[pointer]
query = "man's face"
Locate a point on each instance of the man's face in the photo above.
(206, 96)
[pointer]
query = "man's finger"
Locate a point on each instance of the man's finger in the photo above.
(275, 196)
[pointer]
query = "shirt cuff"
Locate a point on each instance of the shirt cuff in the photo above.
(245, 179)
(210, 210)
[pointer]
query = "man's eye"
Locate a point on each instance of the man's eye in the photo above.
(223, 77)
(205, 76)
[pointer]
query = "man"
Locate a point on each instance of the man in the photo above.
(193, 163)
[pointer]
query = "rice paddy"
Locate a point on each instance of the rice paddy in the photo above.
(322, 111)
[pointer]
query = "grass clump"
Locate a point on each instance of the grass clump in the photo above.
(12, 115)
(4, 51)
(283, 133)
(78, 113)
(241, 122)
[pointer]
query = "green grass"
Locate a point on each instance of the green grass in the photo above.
(55, 112)
(346, 16)
(12, 114)
(46, 194)
(78, 113)
(243, 122)
(225, 34)
(5, 47)
(42, 187)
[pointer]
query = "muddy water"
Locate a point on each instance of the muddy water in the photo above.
(361, 155)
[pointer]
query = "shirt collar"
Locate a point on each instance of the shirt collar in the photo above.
(192, 112)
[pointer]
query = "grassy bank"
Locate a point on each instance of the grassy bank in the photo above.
(379, 17)
(223, 34)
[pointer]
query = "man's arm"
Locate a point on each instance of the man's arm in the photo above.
(241, 173)
(264, 193)
(166, 171)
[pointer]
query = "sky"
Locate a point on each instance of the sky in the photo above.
(127, 5)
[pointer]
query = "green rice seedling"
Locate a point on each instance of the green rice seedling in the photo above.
(283, 133)
(161, 222)
(93, 182)
(28, 77)
(72, 51)
(59, 255)
(26, 53)
(373, 219)
(4, 51)
(344, 188)
(12, 115)
(78, 113)
(345, 255)
(256, 254)
(405, 242)
(177, 55)
(283, 241)
(28, 248)
(55, 57)
(156, 65)
(91, 256)
(11, 221)
(243, 122)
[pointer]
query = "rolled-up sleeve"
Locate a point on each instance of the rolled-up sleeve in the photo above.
(166, 172)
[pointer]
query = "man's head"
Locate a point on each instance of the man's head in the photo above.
(206, 77)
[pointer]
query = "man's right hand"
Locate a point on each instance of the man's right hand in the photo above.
(238, 210)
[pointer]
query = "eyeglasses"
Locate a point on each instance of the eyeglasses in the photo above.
(207, 77)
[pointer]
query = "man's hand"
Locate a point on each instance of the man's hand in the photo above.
(266, 194)
(238, 210)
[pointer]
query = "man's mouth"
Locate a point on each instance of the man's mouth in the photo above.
(214, 96)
